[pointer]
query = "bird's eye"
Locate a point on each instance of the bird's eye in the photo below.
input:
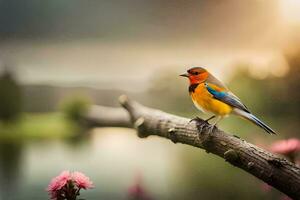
(196, 73)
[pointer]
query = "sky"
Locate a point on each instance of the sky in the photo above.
(121, 44)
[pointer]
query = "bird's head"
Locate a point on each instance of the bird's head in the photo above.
(196, 75)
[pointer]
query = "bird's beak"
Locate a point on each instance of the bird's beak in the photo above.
(184, 75)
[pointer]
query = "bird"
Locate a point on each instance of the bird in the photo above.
(210, 95)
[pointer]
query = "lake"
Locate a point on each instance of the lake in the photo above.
(114, 158)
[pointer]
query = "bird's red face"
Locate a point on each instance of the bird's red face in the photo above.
(196, 75)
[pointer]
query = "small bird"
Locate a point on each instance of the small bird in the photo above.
(211, 96)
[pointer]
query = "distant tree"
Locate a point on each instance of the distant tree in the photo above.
(75, 107)
(10, 97)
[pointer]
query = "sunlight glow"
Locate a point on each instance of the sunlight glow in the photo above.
(266, 64)
(290, 10)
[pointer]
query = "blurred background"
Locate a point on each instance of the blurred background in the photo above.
(58, 57)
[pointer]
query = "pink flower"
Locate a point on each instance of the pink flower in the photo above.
(284, 197)
(266, 187)
(137, 191)
(289, 148)
(66, 186)
(82, 181)
(286, 146)
(57, 183)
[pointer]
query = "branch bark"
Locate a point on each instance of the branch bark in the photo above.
(276, 171)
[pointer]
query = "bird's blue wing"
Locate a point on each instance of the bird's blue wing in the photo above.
(225, 96)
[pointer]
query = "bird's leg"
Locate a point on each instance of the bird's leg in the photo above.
(214, 124)
(197, 119)
(199, 123)
(210, 118)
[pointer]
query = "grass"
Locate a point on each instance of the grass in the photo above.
(39, 126)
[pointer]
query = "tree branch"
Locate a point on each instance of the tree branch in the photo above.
(277, 172)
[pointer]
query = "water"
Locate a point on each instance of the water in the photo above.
(112, 158)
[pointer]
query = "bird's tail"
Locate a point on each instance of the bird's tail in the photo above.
(254, 120)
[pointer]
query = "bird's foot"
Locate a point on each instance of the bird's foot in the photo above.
(200, 124)
(204, 126)
(210, 129)
(214, 125)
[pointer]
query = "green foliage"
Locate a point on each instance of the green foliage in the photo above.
(10, 97)
(38, 126)
(75, 107)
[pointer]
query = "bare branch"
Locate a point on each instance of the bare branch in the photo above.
(277, 172)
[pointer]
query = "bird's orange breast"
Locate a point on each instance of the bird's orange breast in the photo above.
(204, 101)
